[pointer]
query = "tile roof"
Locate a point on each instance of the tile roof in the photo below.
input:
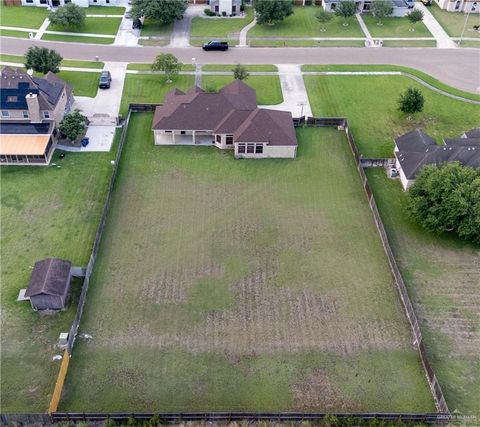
(231, 110)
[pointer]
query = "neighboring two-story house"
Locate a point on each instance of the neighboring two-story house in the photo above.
(229, 119)
(225, 7)
(30, 110)
(472, 6)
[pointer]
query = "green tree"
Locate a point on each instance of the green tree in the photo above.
(411, 101)
(346, 9)
(162, 11)
(415, 16)
(271, 11)
(323, 17)
(167, 63)
(109, 423)
(42, 60)
(446, 198)
(240, 72)
(72, 125)
(69, 17)
(381, 9)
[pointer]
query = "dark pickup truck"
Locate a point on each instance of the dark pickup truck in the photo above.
(215, 45)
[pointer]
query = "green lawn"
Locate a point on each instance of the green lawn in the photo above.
(305, 43)
(249, 67)
(453, 22)
(148, 67)
(211, 293)
(409, 43)
(105, 10)
(65, 63)
(78, 39)
(150, 88)
(370, 104)
(46, 211)
(268, 88)
(219, 27)
(303, 23)
(387, 67)
(22, 16)
(442, 276)
(84, 84)
(14, 33)
(395, 27)
(153, 28)
(93, 26)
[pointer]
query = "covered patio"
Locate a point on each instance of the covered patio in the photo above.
(184, 138)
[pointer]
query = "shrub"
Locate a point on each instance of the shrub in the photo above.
(69, 16)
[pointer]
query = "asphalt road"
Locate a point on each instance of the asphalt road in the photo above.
(459, 68)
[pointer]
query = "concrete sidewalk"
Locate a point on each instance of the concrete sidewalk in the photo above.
(126, 35)
(443, 39)
(244, 32)
(42, 29)
(295, 98)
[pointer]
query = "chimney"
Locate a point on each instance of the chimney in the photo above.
(33, 108)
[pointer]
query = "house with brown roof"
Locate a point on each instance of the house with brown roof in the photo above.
(416, 149)
(30, 110)
(229, 119)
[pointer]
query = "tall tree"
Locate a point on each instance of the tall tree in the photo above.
(240, 72)
(381, 9)
(271, 11)
(72, 125)
(167, 63)
(411, 101)
(346, 9)
(446, 198)
(161, 11)
(42, 60)
(415, 16)
(323, 17)
(70, 16)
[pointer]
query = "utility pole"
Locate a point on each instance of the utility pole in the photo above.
(465, 25)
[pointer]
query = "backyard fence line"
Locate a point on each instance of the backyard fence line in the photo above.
(57, 392)
(342, 123)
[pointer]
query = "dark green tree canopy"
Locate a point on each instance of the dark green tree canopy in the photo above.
(240, 72)
(162, 11)
(346, 8)
(412, 101)
(446, 198)
(167, 63)
(69, 16)
(42, 60)
(72, 125)
(271, 11)
(415, 16)
(381, 9)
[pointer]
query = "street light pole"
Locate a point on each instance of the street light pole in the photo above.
(464, 25)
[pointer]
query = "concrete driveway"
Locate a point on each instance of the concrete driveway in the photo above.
(181, 29)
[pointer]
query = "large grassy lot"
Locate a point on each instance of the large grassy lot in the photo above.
(153, 28)
(395, 27)
(93, 26)
(242, 285)
(150, 88)
(370, 104)
(22, 16)
(442, 274)
(303, 23)
(220, 27)
(46, 211)
(453, 22)
(269, 91)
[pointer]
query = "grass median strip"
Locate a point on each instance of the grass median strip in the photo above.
(421, 75)
(101, 26)
(15, 33)
(148, 67)
(78, 39)
(249, 67)
(65, 63)
(305, 43)
(214, 314)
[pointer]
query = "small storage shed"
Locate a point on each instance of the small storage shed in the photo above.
(50, 284)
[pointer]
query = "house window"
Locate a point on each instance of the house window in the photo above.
(218, 138)
(457, 5)
(5, 114)
(43, 1)
(29, 1)
(168, 131)
(229, 140)
(333, 6)
(46, 114)
(12, 99)
(234, 8)
(182, 132)
(259, 149)
(25, 115)
(216, 9)
(366, 6)
(250, 148)
(241, 148)
(107, 1)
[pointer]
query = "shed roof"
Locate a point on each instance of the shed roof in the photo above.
(50, 276)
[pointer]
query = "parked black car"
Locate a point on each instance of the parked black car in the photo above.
(137, 24)
(215, 45)
(105, 80)
(427, 2)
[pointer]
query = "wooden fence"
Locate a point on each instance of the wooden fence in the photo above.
(57, 392)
